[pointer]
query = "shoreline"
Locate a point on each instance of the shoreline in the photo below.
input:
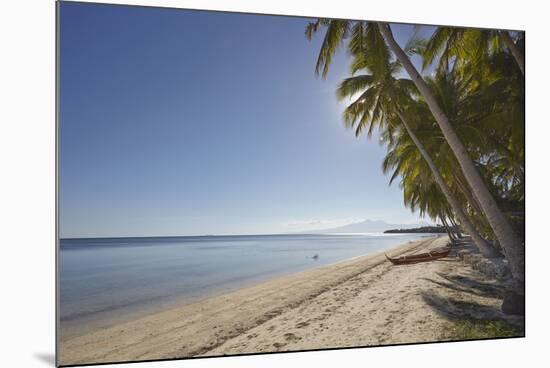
(353, 302)
(94, 320)
(71, 347)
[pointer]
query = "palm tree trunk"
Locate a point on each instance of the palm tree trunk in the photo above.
(518, 55)
(456, 227)
(484, 247)
(510, 242)
(478, 218)
(447, 229)
(472, 201)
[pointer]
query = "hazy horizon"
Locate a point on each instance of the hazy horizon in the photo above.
(325, 231)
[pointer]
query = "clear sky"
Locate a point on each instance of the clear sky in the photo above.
(176, 122)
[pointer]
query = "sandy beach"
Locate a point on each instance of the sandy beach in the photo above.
(363, 301)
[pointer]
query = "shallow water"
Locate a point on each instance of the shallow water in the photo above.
(109, 280)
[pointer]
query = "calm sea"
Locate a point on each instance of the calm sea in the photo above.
(108, 280)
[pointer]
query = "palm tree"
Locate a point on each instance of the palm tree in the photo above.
(510, 242)
(381, 99)
(460, 46)
(420, 191)
(484, 247)
(514, 49)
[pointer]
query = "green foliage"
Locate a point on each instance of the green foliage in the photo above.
(478, 85)
(336, 31)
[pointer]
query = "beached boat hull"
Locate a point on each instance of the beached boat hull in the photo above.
(421, 257)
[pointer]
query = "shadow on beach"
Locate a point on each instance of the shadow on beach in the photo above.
(459, 299)
(469, 285)
(455, 309)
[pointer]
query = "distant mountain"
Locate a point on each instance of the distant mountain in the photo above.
(372, 226)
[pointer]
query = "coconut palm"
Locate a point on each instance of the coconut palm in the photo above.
(420, 192)
(364, 42)
(470, 46)
(488, 117)
(381, 100)
(514, 48)
(427, 132)
(510, 242)
(496, 107)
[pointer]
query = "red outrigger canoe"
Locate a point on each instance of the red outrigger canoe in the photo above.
(421, 257)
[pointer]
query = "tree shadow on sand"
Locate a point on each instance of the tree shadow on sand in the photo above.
(469, 319)
(469, 285)
(455, 309)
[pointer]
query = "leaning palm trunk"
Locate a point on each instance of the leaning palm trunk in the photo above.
(511, 243)
(484, 247)
(452, 225)
(505, 36)
(472, 201)
(477, 216)
(448, 229)
(456, 227)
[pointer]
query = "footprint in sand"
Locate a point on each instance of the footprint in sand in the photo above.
(278, 345)
(291, 337)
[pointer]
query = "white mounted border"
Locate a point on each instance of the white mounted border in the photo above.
(470, 13)
(27, 203)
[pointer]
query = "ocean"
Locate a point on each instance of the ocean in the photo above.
(103, 281)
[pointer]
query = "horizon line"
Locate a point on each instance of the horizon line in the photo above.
(241, 235)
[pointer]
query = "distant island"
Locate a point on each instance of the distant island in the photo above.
(423, 229)
(373, 226)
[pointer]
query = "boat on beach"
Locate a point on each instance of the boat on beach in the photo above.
(420, 257)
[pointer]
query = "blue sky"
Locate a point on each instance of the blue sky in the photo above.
(177, 122)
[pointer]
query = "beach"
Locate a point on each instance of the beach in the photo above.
(363, 301)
